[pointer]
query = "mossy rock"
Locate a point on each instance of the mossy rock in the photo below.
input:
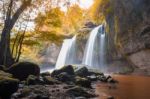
(45, 74)
(83, 82)
(8, 85)
(82, 71)
(4, 74)
(22, 70)
(102, 78)
(68, 69)
(2, 67)
(33, 80)
(95, 72)
(64, 77)
(50, 81)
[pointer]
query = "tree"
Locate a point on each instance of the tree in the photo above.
(75, 18)
(100, 9)
(13, 11)
(48, 25)
(11, 15)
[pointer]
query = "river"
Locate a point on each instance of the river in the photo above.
(129, 87)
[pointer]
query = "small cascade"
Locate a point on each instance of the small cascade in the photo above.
(67, 53)
(94, 52)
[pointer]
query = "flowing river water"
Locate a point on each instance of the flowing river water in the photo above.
(129, 87)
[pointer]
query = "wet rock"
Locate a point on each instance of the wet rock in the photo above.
(68, 69)
(111, 80)
(49, 80)
(92, 78)
(33, 80)
(84, 82)
(79, 92)
(8, 85)
(95, 72)
(108, 77)
(102, 78)
(82, 71)
(22, 70)
(45, 74)
(64, 77)
(110, 97)
(4, 74)
(2, 67)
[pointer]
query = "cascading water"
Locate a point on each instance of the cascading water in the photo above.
(102, 50)
(67, 53)
(71, 55)
(92, 57)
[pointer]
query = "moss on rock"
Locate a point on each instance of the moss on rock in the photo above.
(22, 70)
(8, 85)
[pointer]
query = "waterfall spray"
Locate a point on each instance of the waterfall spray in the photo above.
(67, 53)
(90, 58)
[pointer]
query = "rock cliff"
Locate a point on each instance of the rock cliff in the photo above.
(128, 26)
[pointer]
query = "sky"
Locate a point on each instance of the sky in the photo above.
(82, 3)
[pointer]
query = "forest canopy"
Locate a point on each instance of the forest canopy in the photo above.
(29, 24)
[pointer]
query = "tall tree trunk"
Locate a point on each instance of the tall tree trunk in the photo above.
(5, 53)
(6, 57)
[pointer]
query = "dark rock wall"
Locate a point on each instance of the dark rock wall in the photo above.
(129, 31)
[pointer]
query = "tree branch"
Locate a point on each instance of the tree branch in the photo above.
(19, 11)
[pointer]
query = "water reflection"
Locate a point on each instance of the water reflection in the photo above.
(129, 87)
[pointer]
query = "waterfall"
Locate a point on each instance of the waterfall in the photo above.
(67, 53)
(102, 50)
(94, 52)
(71, 55)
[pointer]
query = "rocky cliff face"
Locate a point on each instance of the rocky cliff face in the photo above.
(129, 29)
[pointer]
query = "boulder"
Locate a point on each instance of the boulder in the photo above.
(95, 72)
(102, 78)
(108, 77)
(110, 97)
(33, 80)
(111, 80)
(22, 70)
(82, 72)
(92, 78)
(45, 74)
(84, 82)
(8, 85)
(68, 69)
(64, 77)
(49, 80)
